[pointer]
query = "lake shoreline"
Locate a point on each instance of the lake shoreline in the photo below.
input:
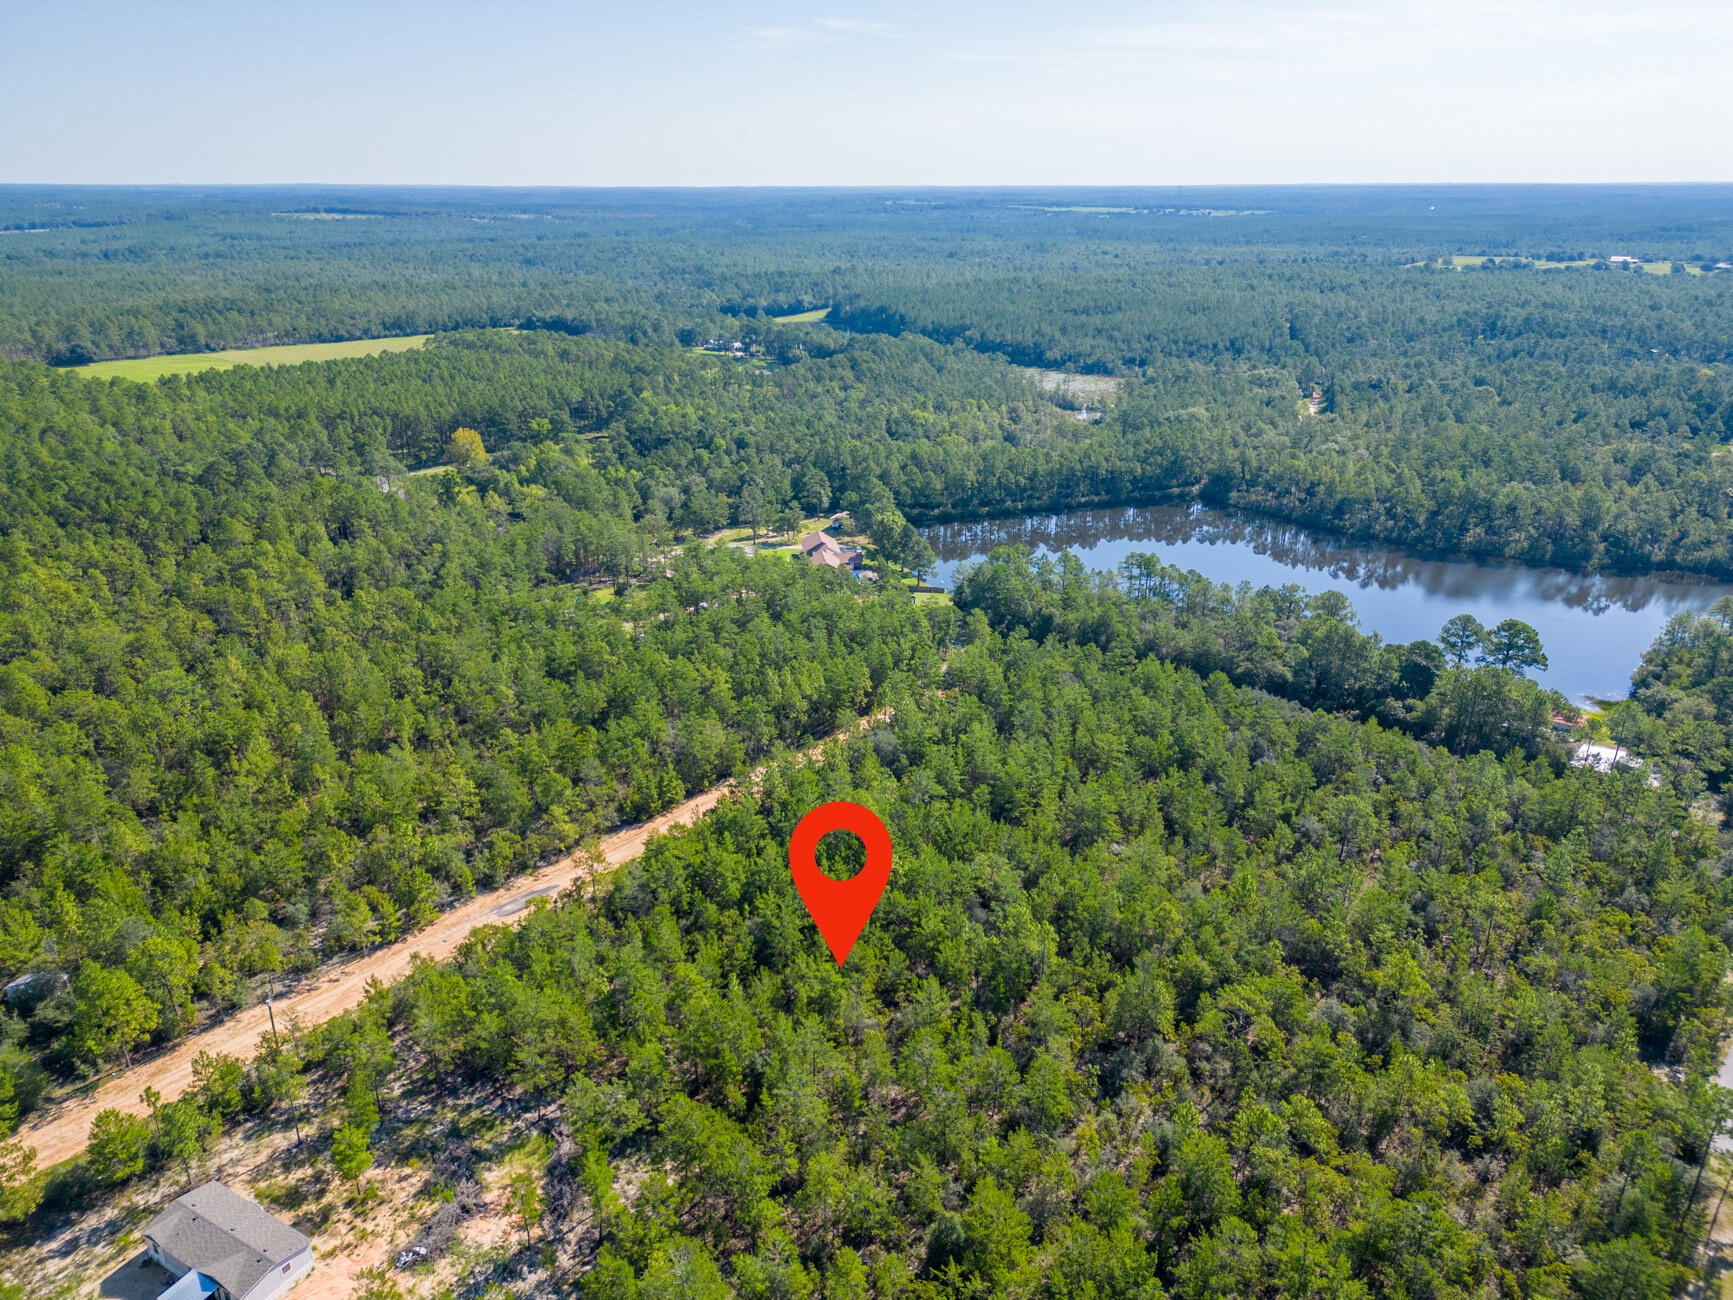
(1188, 498)
(1595, 626)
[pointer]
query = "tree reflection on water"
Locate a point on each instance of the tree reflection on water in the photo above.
(1595, 626)
(1309, 553)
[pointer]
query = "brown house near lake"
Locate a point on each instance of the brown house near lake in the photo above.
(819, 549)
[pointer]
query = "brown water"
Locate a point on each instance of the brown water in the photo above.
(1595, 627)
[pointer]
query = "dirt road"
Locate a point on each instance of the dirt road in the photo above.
(60, 1132)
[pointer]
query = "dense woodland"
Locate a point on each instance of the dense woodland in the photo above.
(1180, 988)
(1231, 951)
(256, 709)
(1576, 416)
(90, 272)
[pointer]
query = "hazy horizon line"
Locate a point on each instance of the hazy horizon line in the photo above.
(862, 187)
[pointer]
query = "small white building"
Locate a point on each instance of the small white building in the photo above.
(219, 1244)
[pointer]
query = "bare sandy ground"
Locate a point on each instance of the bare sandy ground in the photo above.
(60, 1132)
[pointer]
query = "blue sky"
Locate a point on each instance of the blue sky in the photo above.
(528, 92)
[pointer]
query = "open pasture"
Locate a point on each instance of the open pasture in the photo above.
(1462, 260)
(145, 369)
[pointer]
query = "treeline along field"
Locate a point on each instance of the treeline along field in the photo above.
(1571, 416)
(98, 272)
(1568, 466)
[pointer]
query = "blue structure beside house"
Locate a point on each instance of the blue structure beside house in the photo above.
(193, 1285)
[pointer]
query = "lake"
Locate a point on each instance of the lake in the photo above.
(1595, 627)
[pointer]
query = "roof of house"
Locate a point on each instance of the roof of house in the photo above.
(826, 550)
(225, 1236)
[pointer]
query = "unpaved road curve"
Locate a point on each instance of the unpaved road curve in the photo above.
(60, 1132)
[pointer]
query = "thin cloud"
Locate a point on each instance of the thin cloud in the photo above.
(864, 27)
(777, 37)
(827, 30)
(1250, 38)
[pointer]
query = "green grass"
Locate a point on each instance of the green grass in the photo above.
(1461, 260)
(803, 317)
(144, 369)
(525, 1155)
(817, 524)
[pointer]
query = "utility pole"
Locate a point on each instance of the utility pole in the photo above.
(271, 1011)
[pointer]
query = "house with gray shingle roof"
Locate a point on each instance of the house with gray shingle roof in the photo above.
(221, 1245)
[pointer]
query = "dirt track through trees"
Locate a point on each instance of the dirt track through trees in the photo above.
(60, 1131)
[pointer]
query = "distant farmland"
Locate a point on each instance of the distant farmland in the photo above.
(1463, 261)
(145, 369)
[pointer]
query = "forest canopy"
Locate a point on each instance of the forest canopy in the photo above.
(1231, 949)
(1324, 356)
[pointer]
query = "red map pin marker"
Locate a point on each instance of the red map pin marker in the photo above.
(840, 907)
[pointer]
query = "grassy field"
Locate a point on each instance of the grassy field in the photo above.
(1461, 260)
(145, 369)
(804, 317)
